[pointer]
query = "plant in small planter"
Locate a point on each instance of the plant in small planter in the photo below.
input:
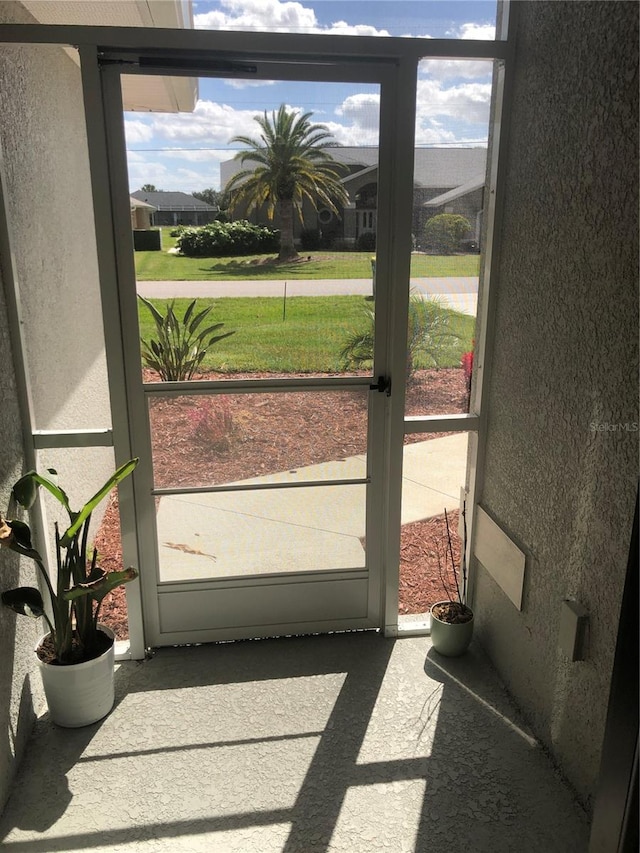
(75, 641)
(452, 620)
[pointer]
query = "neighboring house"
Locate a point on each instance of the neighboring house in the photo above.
(141, 214)
(466, 200)
(437, 172)
(176, 208)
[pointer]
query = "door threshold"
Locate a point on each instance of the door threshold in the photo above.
(414, 625)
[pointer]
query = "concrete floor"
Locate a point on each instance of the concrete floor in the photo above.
(348, 743)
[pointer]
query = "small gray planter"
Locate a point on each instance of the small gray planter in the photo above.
(451, 638)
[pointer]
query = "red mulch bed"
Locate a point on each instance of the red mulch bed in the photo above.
(201, 441)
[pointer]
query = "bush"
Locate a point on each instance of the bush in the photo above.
(444, 233)
(212, 423)
(428, 331)
(310, 239)
(366, 242)
(220, 239)
(177, 231)
(428, 334)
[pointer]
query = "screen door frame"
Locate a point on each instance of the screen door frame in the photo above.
(264, 605)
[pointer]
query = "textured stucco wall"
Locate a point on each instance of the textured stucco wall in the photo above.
(49, 203)
(565, 358)
(44, 140)
(49, 208)
(20, 689)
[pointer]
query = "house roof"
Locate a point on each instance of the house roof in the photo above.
(448, 167)
(172, 201)
(439, 168)
(470, 186)
(433, 167)
(144, 93)
(136, 202)
(367, 170)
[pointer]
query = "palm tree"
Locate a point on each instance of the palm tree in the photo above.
(291, 166)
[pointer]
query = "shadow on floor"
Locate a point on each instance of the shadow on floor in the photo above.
(346, 743)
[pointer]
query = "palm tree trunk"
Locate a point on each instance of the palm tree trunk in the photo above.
(287, 249)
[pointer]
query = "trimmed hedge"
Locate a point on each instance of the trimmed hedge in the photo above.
(223, 239)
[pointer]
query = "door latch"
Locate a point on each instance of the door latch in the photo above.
(383, 385)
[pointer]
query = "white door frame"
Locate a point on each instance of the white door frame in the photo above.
(357, 595)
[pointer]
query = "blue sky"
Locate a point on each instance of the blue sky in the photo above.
(183, 151)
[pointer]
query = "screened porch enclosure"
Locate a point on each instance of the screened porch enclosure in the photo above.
(345, 575)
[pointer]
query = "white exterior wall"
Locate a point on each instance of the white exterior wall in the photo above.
(566, 357)
(49, 205)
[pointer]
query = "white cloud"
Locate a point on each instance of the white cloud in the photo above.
(196, 156)
(136, 156)
(446, 69)
(362, 109)
(148, 172)
(247, 84)
(361, 117)
(434, 134)
(468, 101)
(477, 31)
(211, 122)
(137, 131)
(263, 15)
(173, 176)
(342, 28)
(277, 17)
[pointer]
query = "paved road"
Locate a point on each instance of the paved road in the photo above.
(460, 293)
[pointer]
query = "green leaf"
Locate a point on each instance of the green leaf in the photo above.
(25, 600)
(22, 533)
(188, 312)
(217, 338)
(157, 316)
(25, 490)
(198, 319)
(122, 472)
(102, 586)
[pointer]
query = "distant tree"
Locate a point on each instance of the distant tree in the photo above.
(289, 165)
(213, 197)
(150, 188)
(444, 232)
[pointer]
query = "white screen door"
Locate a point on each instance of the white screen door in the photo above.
(260, 490)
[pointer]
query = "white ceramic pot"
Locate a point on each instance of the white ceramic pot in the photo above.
(450, 639)
(82, 693)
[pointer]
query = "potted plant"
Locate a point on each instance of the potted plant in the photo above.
(452, 620)
(76, 655)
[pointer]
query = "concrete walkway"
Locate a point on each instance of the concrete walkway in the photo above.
(264, 531)
(459, 293)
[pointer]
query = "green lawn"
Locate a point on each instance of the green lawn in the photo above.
(162, 266)
(307, 337)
